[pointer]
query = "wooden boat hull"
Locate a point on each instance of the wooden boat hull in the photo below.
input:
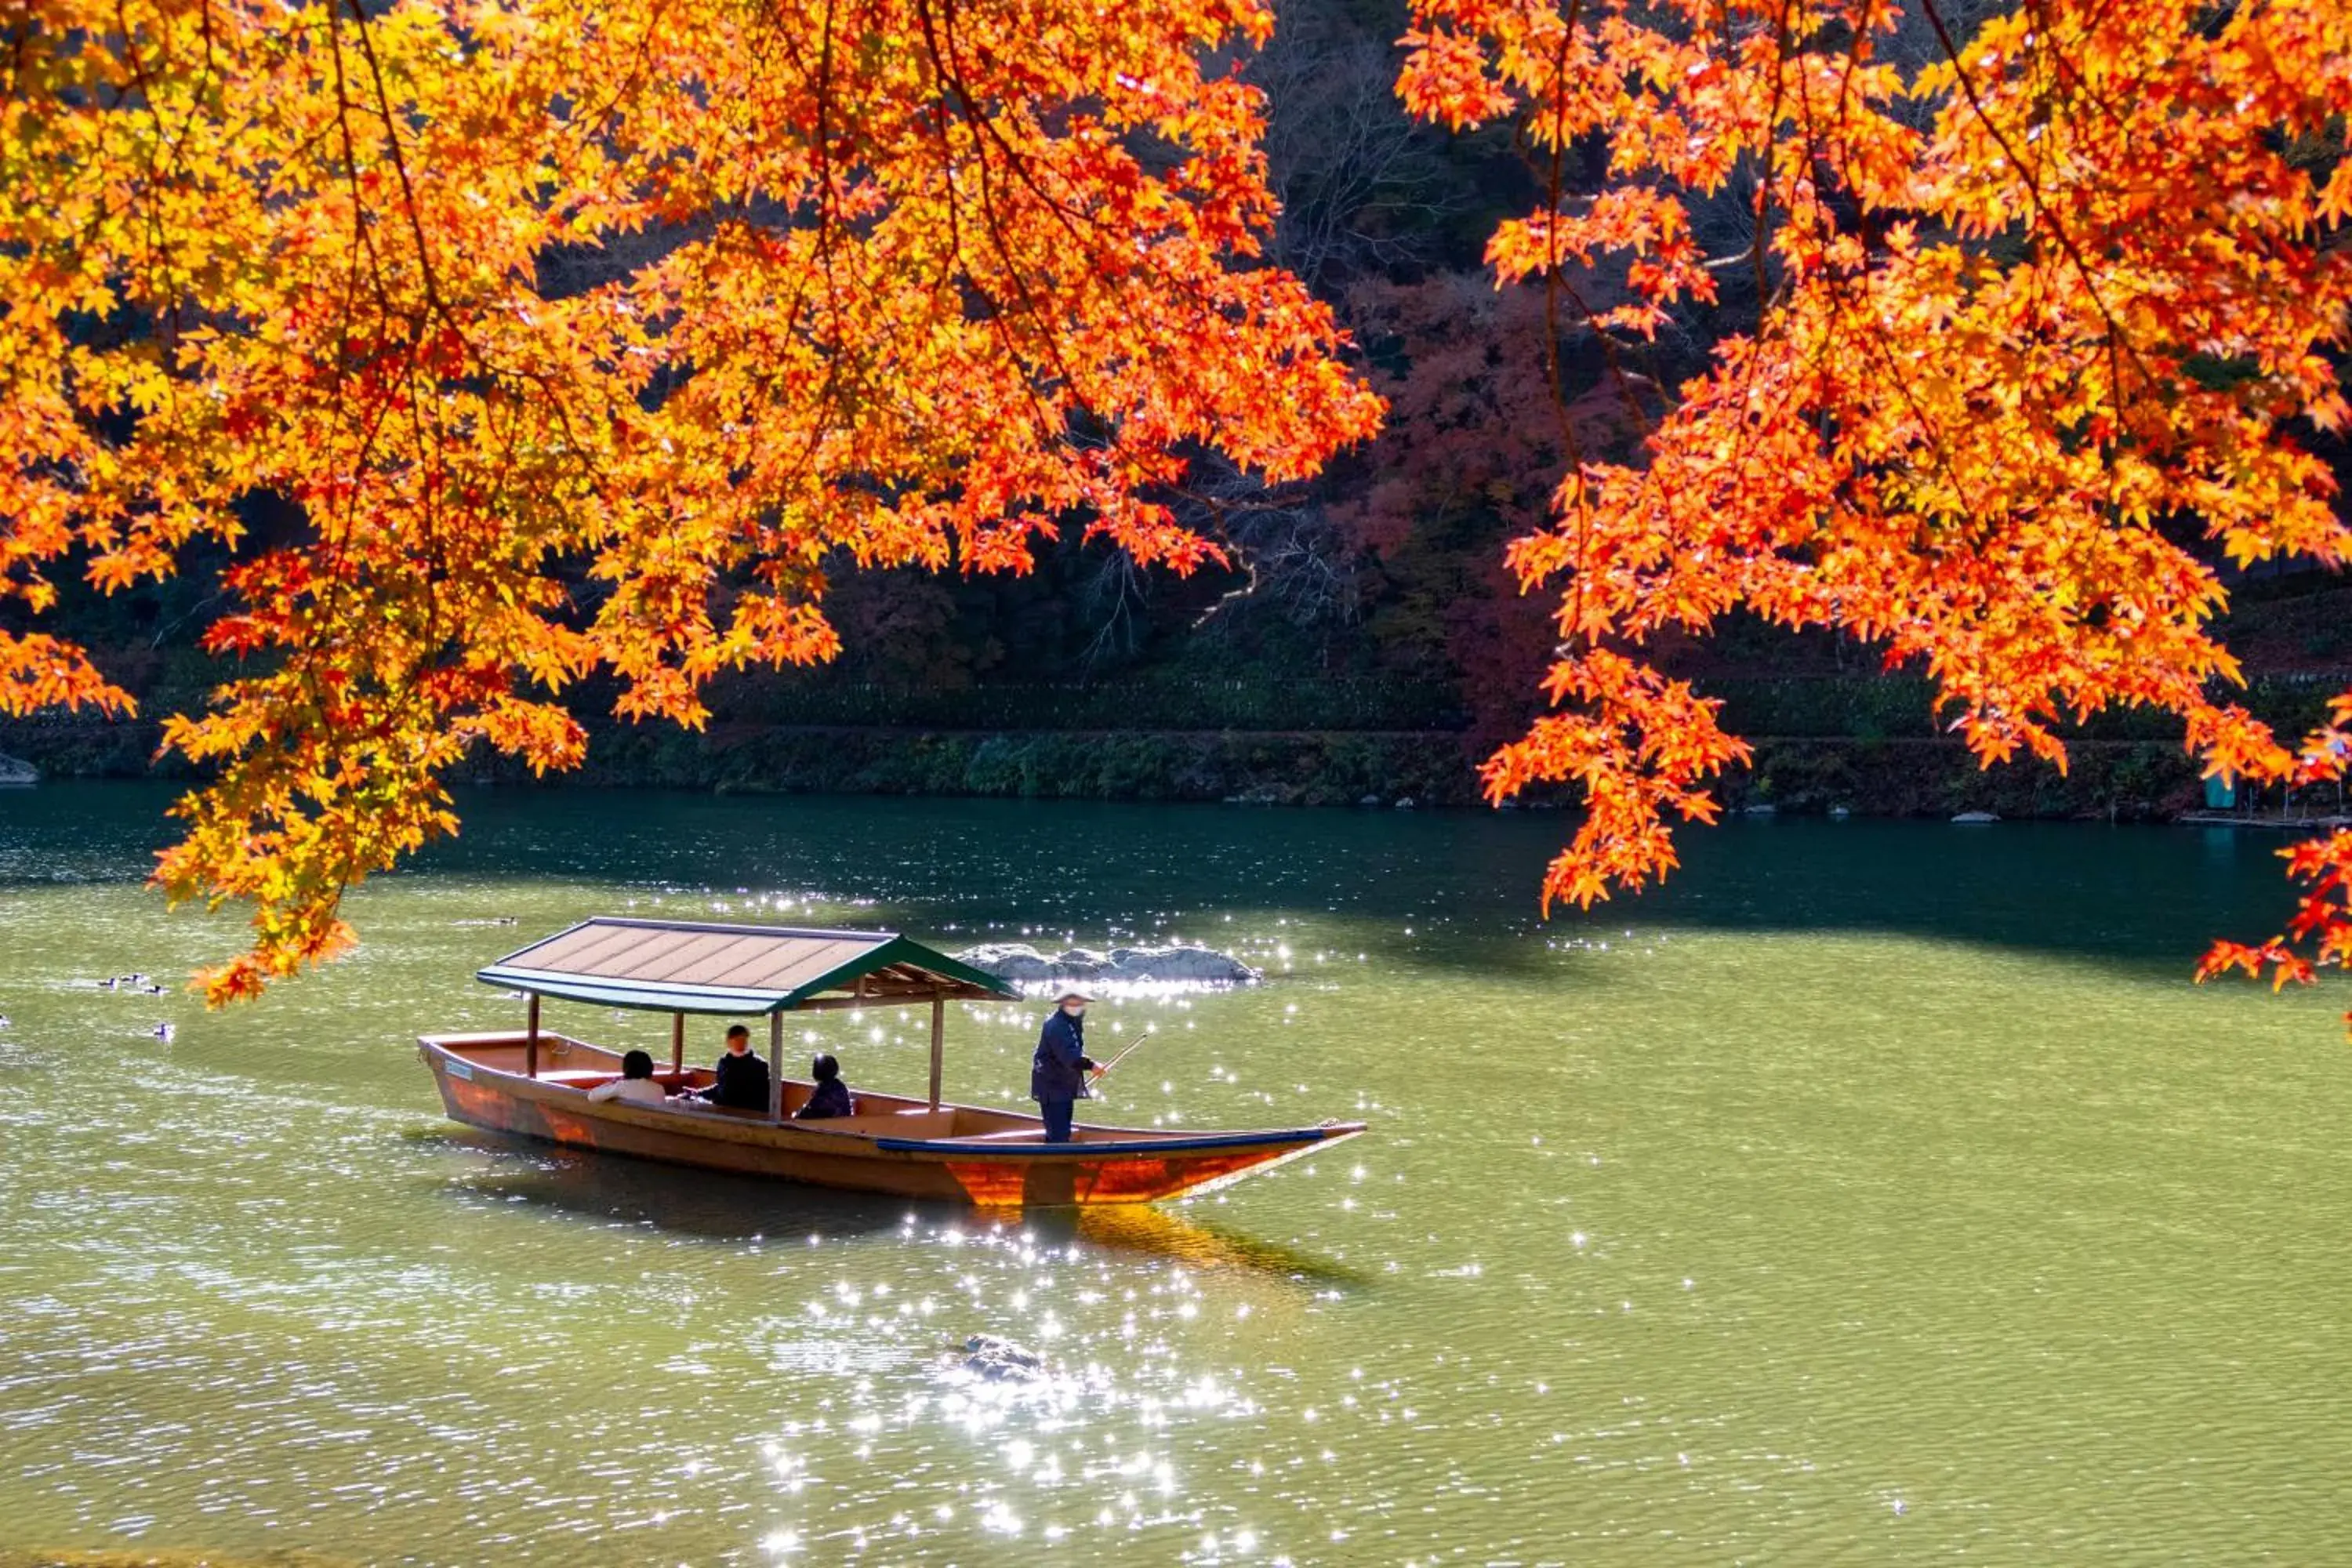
(906, 1148)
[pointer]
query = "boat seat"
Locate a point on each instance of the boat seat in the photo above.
(592, 1078)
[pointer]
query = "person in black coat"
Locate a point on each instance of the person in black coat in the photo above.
(831, 1096)
(1057, 1074)
(742, 1077)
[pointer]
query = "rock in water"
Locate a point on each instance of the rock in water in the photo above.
(1001, 1360)
(1014, 961)
(1002, 1348)
(1183, 963)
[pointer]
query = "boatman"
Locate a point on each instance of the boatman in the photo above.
(1057, 1074)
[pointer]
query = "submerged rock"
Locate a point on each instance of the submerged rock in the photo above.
(1181, 963)
(1002, 1359)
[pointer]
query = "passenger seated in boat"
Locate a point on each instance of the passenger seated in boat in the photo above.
(742, 1077)
(636, 1083)
(831, 1096)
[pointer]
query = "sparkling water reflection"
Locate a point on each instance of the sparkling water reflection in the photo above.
(1880, 1194)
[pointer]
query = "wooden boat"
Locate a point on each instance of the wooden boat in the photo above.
(535, 1083)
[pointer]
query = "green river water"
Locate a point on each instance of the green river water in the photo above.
(1877, 1193)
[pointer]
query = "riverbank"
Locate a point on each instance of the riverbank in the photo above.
(2126, 780)
(2121, 780)
(1870, 744)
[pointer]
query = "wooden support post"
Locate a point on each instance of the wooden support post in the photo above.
(775, 1066)
(939, 1042)
(677, 1044)
(530, 1040)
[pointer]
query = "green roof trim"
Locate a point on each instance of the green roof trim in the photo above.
(900, 950)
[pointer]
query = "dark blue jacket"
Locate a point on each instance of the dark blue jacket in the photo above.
(742, 1082)
(1058, 1071)
(829, 1099)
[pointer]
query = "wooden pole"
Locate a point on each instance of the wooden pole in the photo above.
(775, 1066)
(939, 1042)
(1124, 1054)
(530, 1040)
(677, 1044)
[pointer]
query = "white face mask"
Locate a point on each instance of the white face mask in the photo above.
(1075, 1009)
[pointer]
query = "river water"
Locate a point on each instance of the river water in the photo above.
(1879, 1192)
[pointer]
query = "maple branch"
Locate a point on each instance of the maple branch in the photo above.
(992, 223)
(336, 539)
(1772, 143)
(837, 365)
(1070, 216)
(1554, 190)
(400, 165)
(2116, 338)
(167, 296)
(596, 121)
(1554, 373)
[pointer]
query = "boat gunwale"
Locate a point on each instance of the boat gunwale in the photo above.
(1155, 1143)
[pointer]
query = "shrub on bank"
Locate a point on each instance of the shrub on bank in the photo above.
(2120, 779)
(1303, 769)
(1873, 774)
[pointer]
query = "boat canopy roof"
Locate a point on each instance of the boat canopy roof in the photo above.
(687, 966)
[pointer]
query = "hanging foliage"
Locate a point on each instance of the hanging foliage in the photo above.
(577, 333)
(2044, 310)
